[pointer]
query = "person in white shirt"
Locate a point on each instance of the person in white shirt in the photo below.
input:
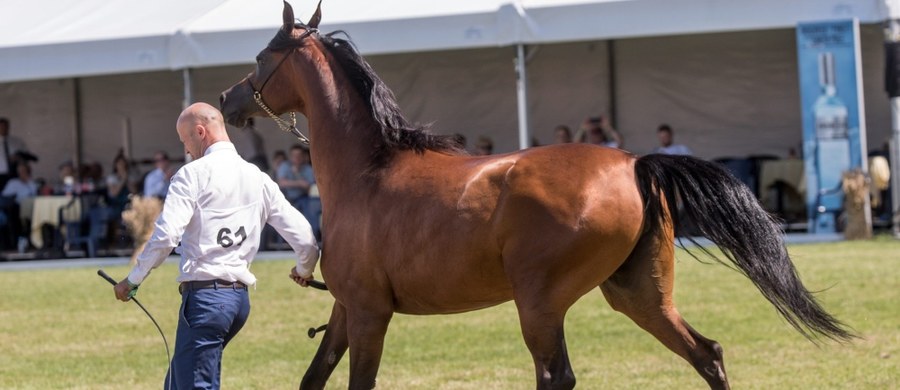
(666, 144)
(216, 207)
(10, 148)
(157, 181)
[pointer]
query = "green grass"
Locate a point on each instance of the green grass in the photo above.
(64, 329)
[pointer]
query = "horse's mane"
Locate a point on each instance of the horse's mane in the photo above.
(396, 132)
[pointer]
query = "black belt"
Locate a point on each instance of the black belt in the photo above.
(216, 284)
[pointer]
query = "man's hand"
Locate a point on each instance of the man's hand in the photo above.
(125, 290)
(300, 279)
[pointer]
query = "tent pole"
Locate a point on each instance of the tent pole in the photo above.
(188, 88)
(76, 96)
(188, 99)
(613, 113)
(891, 40)
(522, 89)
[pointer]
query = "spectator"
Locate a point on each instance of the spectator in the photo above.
(65, 184)
(599, 131)
(251, 147)
(22, 186)
(279, 158)
(295, 179)
(666, 142)
(17, 193)
(484, 146)
(562, 135)
(120, 184)
(157, 181)
(11, 148)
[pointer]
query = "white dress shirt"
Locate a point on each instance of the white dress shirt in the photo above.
(217, 206)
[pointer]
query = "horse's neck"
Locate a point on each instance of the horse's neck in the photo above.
(342, 132)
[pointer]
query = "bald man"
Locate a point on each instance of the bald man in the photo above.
(216, 208)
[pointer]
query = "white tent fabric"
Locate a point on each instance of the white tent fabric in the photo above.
(60, 38)
(576, 20)
(50, 39)
(235, 32)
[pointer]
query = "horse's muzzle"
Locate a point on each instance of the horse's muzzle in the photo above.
(236, 104)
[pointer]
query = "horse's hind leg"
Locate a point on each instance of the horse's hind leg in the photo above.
(332, 348)
(542, 328)
(642, 289)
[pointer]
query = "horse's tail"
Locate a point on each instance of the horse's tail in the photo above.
(726, 212)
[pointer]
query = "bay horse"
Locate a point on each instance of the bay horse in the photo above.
(414, 225)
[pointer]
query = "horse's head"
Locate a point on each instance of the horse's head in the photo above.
(264, 91)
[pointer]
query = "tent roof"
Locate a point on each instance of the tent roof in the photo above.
(61, 38)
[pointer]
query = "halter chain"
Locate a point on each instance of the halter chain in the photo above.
(287, 127)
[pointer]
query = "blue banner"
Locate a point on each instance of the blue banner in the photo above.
(828, 59)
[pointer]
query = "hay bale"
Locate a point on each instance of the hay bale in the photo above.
(140, 220)
(856, 195)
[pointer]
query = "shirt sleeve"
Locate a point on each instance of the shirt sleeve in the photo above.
(293, 227)
(176, 213)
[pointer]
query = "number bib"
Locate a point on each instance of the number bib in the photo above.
(228, 228)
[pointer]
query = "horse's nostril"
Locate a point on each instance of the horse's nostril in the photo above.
(222, 100)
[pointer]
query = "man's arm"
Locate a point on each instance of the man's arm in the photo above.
(293, 227)
(176, 213)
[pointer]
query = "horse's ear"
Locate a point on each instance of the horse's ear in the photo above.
(288, 17)
(317, 17)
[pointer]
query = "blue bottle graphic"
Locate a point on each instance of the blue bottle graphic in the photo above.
(832, 146)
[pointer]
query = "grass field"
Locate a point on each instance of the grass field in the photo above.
(64, 329)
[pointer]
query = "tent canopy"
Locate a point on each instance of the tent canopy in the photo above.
(59, 38)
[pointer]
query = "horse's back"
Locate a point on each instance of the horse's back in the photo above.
(570, 207)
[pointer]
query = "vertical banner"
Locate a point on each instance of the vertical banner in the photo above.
(830, 73)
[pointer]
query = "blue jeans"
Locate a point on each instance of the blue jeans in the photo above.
(208, 320)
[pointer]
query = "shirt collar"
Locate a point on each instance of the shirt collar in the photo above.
(219, 146)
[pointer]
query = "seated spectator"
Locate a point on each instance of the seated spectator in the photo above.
(279, 158)
(666, 142)
(120, 184)
(22, 186)
(484, 146)
(156, 183)
(599, 131)
(296, 178)
(16, 192)
(562, 134)
(65, 184)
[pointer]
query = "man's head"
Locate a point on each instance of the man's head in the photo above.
(4, 127)
(161, 160)
(299, 155)
(23, 171)
(562, 134)
(664, 133)
(596, 136)
(200, 126)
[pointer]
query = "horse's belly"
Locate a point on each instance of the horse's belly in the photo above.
(450, 295)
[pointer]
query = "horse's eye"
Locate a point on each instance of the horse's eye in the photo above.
(259, 60)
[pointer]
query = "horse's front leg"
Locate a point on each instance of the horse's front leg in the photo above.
(331, 350)
(366, 328)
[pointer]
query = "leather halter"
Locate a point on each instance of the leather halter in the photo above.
(284, 125)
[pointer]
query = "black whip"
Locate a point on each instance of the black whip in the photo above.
(166, 342)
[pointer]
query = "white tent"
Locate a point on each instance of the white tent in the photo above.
(53, 39)
(60, 38)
